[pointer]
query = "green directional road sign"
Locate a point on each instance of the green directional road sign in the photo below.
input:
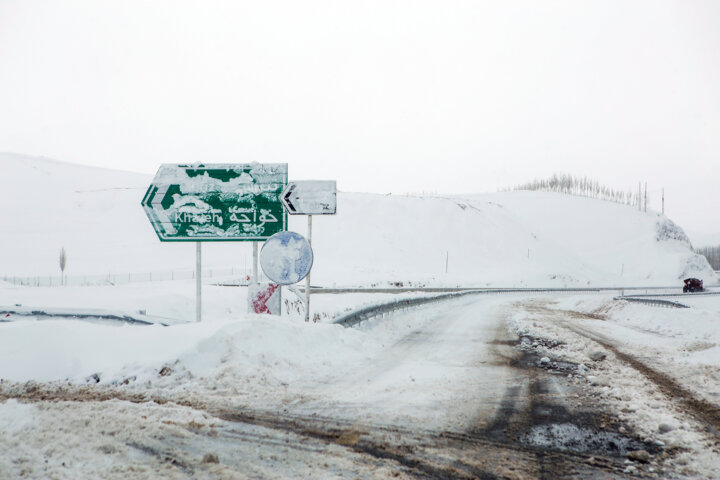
(217, 202)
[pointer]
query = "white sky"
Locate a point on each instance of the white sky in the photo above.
(384, 96)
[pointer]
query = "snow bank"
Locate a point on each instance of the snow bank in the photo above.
(16, 417)
(81, 351)
(683, 339)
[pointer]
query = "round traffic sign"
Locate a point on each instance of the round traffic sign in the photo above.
(286, 258)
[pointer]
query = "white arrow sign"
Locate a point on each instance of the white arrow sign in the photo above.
(310, 197)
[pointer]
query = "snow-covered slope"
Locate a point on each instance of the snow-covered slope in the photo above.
(94, 213)
(501, 239)
(617, 242)
(510, 239)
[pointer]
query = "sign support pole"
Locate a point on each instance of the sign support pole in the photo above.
(230, 208)
(307, 279)
(310, 197)
(198, 281)
(255, 263)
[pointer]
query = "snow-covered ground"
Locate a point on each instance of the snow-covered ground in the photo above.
(259, 362)
(76, 392)
(403, 371)
(682, 344)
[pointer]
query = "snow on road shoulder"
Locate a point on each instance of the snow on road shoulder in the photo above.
(229, 353)
(260, 359)
(36, 348)
(683, 342)
(173, 302)
(16, 417)
(636, 400)
(79, 351)
(120, 440)
(62, 440)
(74, 350)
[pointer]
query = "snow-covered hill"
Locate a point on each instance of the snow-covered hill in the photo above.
(499, 239)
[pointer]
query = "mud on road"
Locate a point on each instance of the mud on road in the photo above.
(700, 409)
(637, 389)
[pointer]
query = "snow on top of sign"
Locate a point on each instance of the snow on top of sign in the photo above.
(317, 188)
(253, 178)
(190, 204)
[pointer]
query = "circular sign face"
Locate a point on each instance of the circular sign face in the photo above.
(286, 258)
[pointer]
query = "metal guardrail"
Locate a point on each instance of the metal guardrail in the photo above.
(316, 290)
(366, 313)
(6, 313)
(657, 302)
(686, 295)
(652, 299)
(357, 316)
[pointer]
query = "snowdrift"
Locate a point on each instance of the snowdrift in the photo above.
(513, 239)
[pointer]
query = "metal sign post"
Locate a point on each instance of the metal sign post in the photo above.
(216, 202)
(307, 279)
(286, 258)
(255, 263)
(198, 281)
(310, 197)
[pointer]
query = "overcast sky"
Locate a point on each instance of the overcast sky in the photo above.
(386, 96)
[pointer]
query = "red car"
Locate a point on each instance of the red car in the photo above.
(693, 285)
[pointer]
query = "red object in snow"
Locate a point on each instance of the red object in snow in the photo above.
(259, 302)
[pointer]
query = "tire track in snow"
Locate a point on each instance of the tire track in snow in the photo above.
(707, 413)
(415, 452)
(702, 410)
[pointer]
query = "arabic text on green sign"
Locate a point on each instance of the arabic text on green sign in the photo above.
(217, 202)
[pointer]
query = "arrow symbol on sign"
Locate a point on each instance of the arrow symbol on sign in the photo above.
(289, 204)
(153, 205)
(310, 197)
